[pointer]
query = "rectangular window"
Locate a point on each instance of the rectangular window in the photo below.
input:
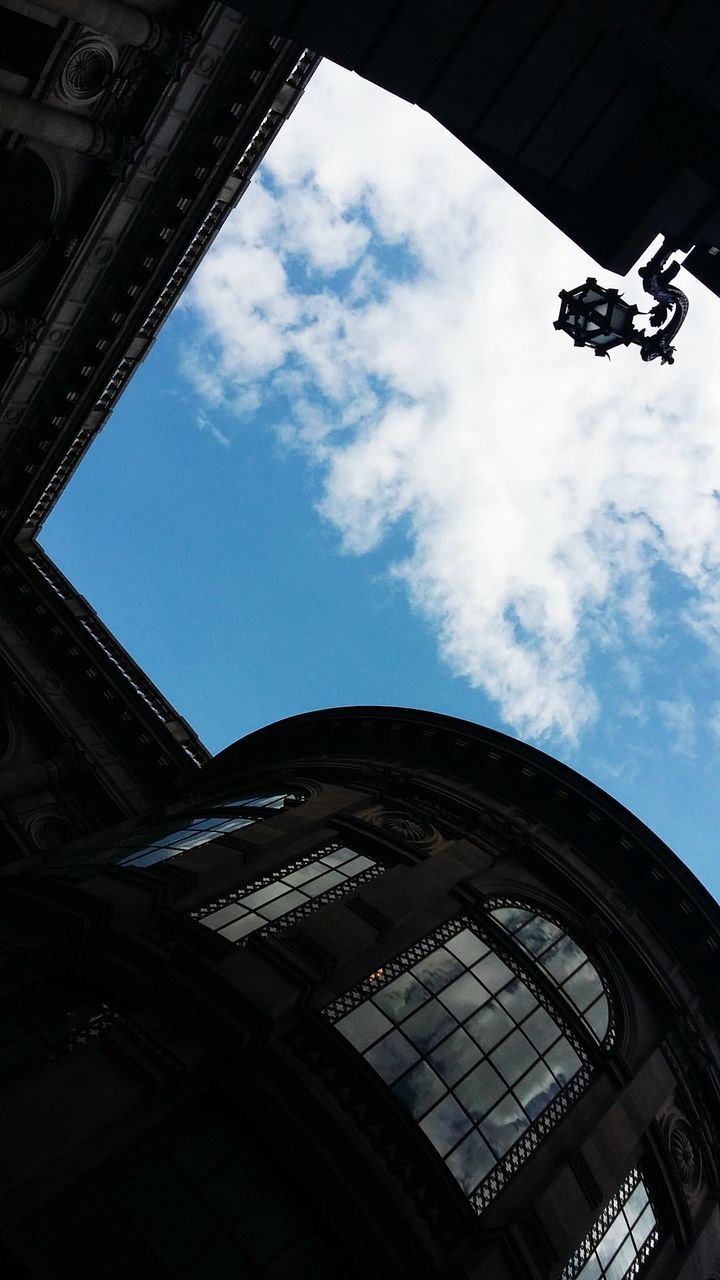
(294, 891)
(622, 1238)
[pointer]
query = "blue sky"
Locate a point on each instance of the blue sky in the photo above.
(360, 466)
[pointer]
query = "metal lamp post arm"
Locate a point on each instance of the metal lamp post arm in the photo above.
(670, 301)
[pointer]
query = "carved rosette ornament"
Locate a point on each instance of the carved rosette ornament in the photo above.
(404, 826)
(87, 70)
(684, 1155)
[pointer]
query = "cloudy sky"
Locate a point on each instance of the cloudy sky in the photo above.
(361, 466)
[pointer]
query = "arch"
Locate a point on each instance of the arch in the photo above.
(25, 222)
(564, 962)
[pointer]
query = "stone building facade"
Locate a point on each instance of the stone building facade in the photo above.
(387, 994)
(128, 133)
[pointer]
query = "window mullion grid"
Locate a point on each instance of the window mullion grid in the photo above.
(516, 1155)
(600, 1227)
(235, 895)
(304, 909)
(554, 989)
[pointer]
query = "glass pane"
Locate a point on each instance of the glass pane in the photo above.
(391, 1056)
(327, 881)
(493, 973)
(356, 865)
(513, 1057)
(511, 918)
(479, 1091)
(598, 1018)
(489, 1025)
(337, 857)
(464, 996)
(563, 1061)
(400, 997)
(446, 1124)
(303, 874)
(455, 1056)
(281, 906)
(471, 1161)
(517, 999)
(541, 1029)
(643, 1227)
(635, 1203)
(438, 969)
(266, 894)
(621, 1262)
(536, 1090)
(584, 987)
(419, 1089)
(504, 1125)
(537, 935)
(563, 959)
(217, 919)
(364, 1025)
(467, 947)
(429, 1026)
(591, 1270)
(240, 928)
(612, 1240)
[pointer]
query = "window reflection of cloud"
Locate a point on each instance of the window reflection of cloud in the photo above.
(513, 1057)
(536, 1090)
(429, 1026)
(493, 973)
(511, 918)
(541, 1029)
(363, 1025)
(464, 996)
(438, 969)
(612, 1240)
(471, 1161)
(504, 1126)
(517, 999)
(584, 987)
(467, 947)
(419, 1089)
(562, 959)
(400, 997)
(489, 1025)
(480, 1090)
(446, 1124)
(563, 1061)
(455, 1056)
(391, 1056)
(538, 934)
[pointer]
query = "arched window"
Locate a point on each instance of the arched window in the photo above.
(622, 1238)
(146, 848)
(288, 894)
(468, 1030)
(562, 961)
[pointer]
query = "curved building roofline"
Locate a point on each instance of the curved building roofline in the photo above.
(512, 771)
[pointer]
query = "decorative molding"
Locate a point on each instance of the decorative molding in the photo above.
(86, 71)
(685, 1156)
(404, 826)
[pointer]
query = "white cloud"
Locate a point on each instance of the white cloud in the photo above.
(680, 719)
(400, 298)
(204, 424)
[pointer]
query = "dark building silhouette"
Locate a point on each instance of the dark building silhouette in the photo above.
(389, 994)
(374, 992)
(604, 114)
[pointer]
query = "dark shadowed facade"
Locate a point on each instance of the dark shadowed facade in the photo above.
(602, 113)
(388, 994)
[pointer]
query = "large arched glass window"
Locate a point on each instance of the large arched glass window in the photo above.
(147, 848)
(286, 895)
(467, 1030)
(622, 1238)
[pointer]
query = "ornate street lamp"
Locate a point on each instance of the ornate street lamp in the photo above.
(600, 318)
